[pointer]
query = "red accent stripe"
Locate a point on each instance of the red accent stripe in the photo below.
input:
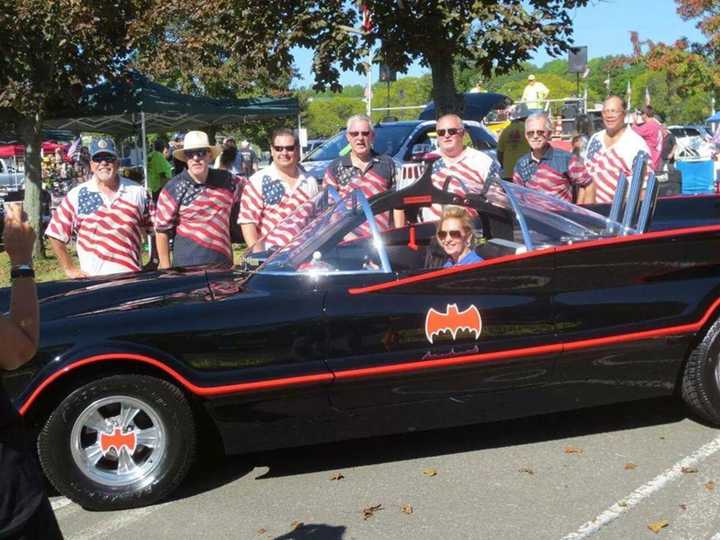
(537, 253)
(197, 390)
(419, 199)
(268, 384)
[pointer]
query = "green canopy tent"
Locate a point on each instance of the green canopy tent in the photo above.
(134, 103)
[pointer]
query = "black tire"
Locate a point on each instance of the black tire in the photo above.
(701, 378)
(120, 478)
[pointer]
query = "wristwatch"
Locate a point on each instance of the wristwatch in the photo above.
(22, 271)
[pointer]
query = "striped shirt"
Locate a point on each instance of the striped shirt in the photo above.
(109, 230)
(467, 173)
(270, 203)
(379, 177)
(556, 172)
(199, 213)
(606, 164)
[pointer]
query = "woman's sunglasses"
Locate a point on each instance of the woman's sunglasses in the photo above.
(455, 235)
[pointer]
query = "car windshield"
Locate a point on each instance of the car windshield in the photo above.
(388, 138)
(341, 236)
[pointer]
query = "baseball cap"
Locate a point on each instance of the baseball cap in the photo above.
(531, 77)
(102, 145)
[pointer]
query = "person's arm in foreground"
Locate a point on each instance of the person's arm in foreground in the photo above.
(19, 332)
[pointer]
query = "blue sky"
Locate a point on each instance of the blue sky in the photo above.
(604, 26)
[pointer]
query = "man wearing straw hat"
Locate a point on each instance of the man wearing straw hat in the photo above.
(195, 205)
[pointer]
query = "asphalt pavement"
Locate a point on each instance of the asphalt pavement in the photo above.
(632, 471)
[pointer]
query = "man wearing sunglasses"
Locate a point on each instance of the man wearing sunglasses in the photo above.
(108, 214)
(364, 169)
(464, 169)
(549, 169)
(273, 193)
(196, 206)
(614, 150)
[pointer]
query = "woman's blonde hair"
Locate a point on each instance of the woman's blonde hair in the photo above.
(456, 212)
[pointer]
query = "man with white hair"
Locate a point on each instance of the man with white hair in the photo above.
(363, 168)
(549, 169)
(464, 169)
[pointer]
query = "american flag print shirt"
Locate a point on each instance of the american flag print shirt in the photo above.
(606, 164)
(109, 231)
(556, 172)
(467, 173)
(199, 213)
(270, 203)
(379, 177)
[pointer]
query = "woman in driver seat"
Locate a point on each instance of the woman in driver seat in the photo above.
(454, 234)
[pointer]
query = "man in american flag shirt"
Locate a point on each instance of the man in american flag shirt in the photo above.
(613, 150)
(465, 169)
(272, 195)
(196, 205)
(108, 214)
(549, 169)
(364, 169)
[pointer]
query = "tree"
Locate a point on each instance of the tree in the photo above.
(50, 50)
(251, 38)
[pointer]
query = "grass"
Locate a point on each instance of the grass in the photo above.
(48, 269)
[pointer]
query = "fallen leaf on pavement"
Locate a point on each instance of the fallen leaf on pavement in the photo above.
(630, 466)
(430, 472)
(658, 526)
(370, 510)
(296, 525)
(710, 486)
(683, 506)
(407, 509)
(261, 531)
(527, 470)
(337, 476)
(689, 470)
(622, 503)
(573, 450)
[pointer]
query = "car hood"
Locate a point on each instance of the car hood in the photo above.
(83, 297)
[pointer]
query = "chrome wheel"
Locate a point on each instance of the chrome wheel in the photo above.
(119, 441)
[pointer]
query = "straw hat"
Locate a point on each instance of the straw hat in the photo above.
(195, 140)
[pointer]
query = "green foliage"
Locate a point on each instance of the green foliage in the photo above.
(326, 116)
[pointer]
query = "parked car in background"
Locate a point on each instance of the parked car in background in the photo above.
(11, 177)
(692, 143)
(398, 140)
(312, 144)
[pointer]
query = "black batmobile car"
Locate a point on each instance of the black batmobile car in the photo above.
(350, 331)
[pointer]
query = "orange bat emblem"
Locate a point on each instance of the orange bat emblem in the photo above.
(117, 439)
(452, 321)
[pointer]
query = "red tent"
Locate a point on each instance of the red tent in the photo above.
(11, 150)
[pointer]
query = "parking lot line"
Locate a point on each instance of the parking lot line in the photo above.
(646, 490)
(123, 519)
(60, 502)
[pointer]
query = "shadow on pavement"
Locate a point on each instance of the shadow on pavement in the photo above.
(314, 531)
(506, 433)
(212, 470)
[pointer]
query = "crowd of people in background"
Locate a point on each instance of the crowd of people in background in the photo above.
(200, 196)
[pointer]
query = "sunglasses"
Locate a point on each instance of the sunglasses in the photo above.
(358, 133)
(105, 158)
(450, 131)
(290, 148)
(537, 133)
(201, 153)
(455, 235)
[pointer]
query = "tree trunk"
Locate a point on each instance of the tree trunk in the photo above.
(30, 129)
(447, 100)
